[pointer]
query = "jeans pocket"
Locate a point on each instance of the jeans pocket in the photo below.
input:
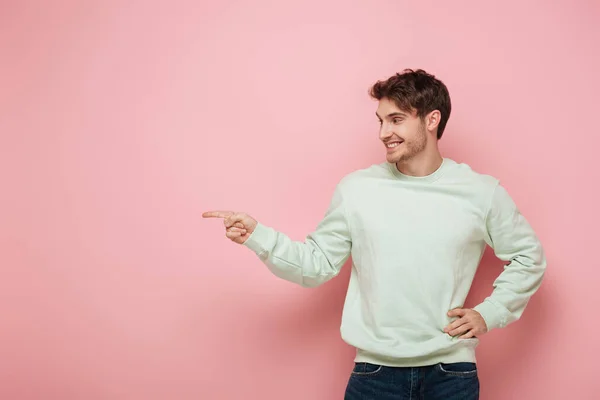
(464, 369)
(366, 369)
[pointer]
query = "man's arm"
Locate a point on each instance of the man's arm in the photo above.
(513, 240)
(308, 263)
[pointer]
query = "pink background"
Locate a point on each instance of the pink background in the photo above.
(121, 123)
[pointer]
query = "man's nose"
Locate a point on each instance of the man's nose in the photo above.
(385, 131)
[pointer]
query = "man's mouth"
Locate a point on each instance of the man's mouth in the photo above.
(393, 144)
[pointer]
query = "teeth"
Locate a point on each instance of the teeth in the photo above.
(394, 144)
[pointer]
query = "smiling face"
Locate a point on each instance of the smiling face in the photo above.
(403, 134)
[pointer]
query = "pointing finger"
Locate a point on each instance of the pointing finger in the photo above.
(217, 214)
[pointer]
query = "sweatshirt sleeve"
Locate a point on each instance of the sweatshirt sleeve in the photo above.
(513, 240)
(313, 261)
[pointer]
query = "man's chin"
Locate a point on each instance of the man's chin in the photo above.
(393, 158)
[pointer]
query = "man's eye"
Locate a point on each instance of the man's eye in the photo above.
(397, 120)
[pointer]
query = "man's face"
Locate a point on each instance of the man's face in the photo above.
(402, 133)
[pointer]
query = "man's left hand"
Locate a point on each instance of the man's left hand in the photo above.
(470, 323)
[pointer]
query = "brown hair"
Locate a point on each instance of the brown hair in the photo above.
(416, 90)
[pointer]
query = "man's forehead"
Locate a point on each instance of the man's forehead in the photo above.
(385, 110)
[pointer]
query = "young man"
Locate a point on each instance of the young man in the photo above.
(416, 227)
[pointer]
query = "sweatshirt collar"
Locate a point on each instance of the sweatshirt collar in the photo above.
(435, 175)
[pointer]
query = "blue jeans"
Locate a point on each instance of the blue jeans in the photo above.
(455, 381)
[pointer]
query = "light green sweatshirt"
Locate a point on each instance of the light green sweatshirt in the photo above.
(415, 244)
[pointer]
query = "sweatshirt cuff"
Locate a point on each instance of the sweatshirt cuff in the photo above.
(492, 315)
(258, 239)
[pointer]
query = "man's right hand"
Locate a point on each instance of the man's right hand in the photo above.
(238, 226)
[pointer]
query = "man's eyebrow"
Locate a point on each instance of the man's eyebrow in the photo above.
(394, 114)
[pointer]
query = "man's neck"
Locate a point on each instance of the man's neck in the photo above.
(421, 165)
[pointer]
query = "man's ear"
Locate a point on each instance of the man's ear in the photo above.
(432, 120)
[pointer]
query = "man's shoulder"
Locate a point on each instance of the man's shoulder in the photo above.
(369, 172)
(465, 172)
